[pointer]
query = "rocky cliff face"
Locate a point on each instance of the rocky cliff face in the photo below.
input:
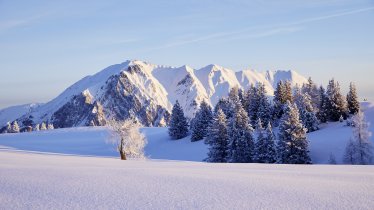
(142, 92)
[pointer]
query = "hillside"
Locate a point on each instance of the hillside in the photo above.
(141, 91)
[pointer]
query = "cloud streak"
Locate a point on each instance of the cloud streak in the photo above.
(267, 31)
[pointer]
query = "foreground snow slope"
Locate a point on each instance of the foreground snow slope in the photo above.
(41, 181)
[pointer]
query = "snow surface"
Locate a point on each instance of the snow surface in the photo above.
(45, 181)
(91, 141)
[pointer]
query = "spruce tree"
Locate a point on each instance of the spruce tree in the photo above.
(312, 90)
(36, 127)
(201, 122)
(252, 107)
(352, 100)
(265, 151)
(241, 142)
(282, 94)
(178, 127)
(224, 105)
(43, 126)
(306, 110)
(322, 114)
(292, 145)
(336, 104)
(15, 127)
(264, 107)
(8, 128)
(217, 138)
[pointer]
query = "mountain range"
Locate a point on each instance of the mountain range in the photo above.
(142, 91)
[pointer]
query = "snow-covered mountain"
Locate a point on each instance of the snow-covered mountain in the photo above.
(142, 91)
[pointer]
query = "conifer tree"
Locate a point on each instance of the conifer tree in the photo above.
(178, 127)
(265, 151)
(218, 139)
(14, 127)
(282, 94)
(312, 90)
(50, 126)
(264, 107)
(36, 127)
(252, 106)
(241, 141)
(43, 126)
(201, 122)
(322, 114)
(224, 105)
(8, 128)
(306, 110)
(336, 104)
(292, 145)
(352, 100)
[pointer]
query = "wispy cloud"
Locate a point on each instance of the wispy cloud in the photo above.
(258, 32)
(10, 24)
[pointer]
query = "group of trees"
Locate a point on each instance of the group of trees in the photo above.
(14, 127)
(295, 111)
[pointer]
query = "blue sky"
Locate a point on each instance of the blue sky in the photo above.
(45, 46)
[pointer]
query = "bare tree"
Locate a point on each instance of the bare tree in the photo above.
(126, 137)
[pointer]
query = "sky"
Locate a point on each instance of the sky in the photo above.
(46, 46)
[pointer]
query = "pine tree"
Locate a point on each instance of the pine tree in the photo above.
(50, 126)
(282, 94)
(322, 114)
(178, 127)
(352, 100)
(252, 106)
(292, 146)
(264, 107)
(8, 128)
(224, 105)
(36, 127)
(43, 126)
(201, 122)
(336, 104)
(14, 127)
(241, 142)
(312, 90)
(306, 110)
(265, 151)
(218, 139)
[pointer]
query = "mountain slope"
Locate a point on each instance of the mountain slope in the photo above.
(143, 92)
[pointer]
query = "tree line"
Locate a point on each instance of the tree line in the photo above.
(240, 127)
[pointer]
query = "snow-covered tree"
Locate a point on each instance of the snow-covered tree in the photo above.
(36, 127)
(127, 138)
(352, 100)
(282, 94)
(241, 141)
(43, 126)
(50, 126)
(336, 103)
(217, 138)
(14, 128)
(8, 128)
(225, 106)
(264, 106)
(265, 150)
(332, 159)
(312, 90)
(178, 127)
(292, 145)
(306, 110)
(359, 149)
(322, 113)
(201, 122)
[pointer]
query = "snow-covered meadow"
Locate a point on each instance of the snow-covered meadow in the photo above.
(77, 168)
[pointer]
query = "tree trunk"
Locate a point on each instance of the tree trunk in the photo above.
(123, 155)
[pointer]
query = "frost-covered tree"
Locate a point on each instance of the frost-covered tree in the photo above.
(36, 127)
(14, 128)
(352, 100)
(224, 105)
(359, 149)
(312, 90)
(50, 126)
(43, 126)
(201, 122)
(292, 145)
(264, 106)
(8, 128)
(217, 138)
(241, 141)
(265, 150)
(178, 127)
(322, 113)
(336, 103)
(332, 159)
(127, 138)
(282, 94)
(306, 110)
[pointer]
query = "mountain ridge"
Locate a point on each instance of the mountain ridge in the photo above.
(145, 92)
